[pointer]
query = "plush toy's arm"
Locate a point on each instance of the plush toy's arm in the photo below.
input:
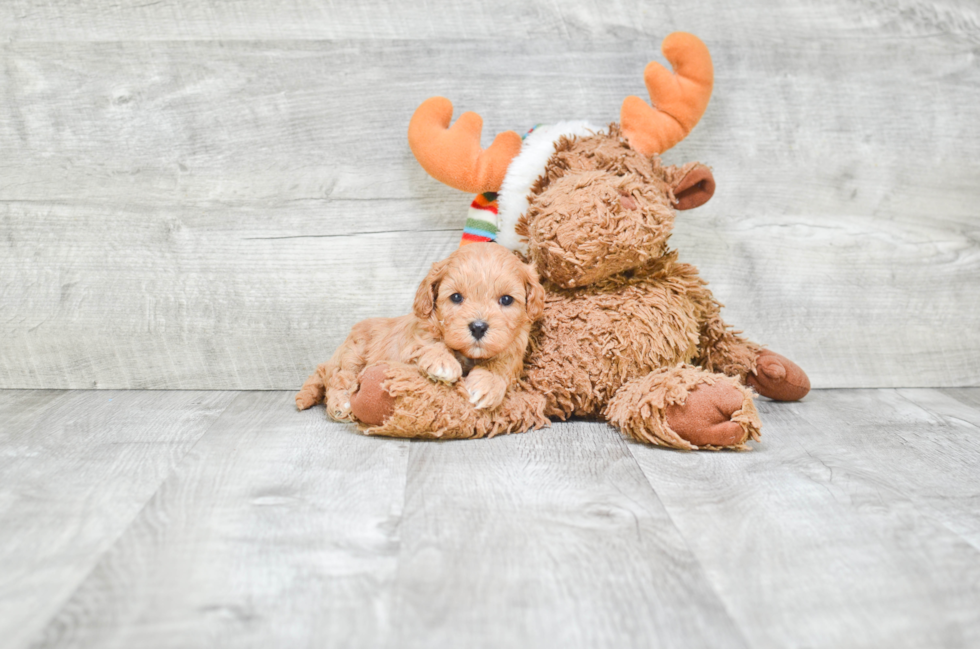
(395, 400)
(722, 349)
(727, 352)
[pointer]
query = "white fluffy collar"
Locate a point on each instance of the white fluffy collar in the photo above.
(524, 170)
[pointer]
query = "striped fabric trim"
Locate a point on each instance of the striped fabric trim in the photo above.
(529, 131)
(481, 222)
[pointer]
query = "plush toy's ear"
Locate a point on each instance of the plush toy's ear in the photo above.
(694, 188)
(425, 297)
(534, 292)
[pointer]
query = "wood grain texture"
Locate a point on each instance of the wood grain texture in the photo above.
(75, 469)
(548, 539)
(943, 479)
(278, 529)
(182, 519)
(201, 196)
(842, 528)
(168, 300)
(113, 20)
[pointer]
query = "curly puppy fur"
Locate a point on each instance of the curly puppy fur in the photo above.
(471, 317)
(629, 334)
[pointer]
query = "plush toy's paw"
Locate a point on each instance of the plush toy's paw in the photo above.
(686, 407)
(485, 388)
(705, 417)
(440, 365)
(778, 378)
(338, 404)
(370, 403)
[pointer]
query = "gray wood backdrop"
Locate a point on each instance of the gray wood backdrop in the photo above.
(209, 194)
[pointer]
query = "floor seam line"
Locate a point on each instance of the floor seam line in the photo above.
(683, 537)
(39, 637)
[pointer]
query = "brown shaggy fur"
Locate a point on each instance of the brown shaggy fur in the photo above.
(629, 333)
(437, 337)
(641, 407)
(438, 410)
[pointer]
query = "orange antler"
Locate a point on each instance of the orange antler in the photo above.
(679, 98)
(453, 155)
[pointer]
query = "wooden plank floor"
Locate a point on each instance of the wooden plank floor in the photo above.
(193, 519)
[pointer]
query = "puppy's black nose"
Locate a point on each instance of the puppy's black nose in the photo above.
(478, 328)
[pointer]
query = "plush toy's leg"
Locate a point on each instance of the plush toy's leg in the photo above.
(395, 400)
(688, 408)
(770, 374)
(778, 378)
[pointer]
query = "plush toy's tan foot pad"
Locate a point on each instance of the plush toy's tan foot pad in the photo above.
(372, 404)
(686, 407)
(705, 418)
(778, 378)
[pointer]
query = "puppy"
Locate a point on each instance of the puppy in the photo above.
(472, 317)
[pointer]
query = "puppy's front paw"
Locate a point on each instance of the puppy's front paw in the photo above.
(440, 365)
(338, 404)
(485, 388)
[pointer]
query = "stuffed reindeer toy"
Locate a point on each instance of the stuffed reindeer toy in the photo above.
(629, 334)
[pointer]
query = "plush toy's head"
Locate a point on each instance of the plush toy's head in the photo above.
(602, 208)
(582, 202)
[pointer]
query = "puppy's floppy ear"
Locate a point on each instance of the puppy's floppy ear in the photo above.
(425, 297)
(534, 292)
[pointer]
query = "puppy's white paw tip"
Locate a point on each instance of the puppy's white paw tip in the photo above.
(444, 374)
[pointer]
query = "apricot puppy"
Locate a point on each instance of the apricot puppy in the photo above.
(471, 318)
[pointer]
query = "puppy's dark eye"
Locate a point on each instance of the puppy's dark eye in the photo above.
(456, 298)
(506, 300)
